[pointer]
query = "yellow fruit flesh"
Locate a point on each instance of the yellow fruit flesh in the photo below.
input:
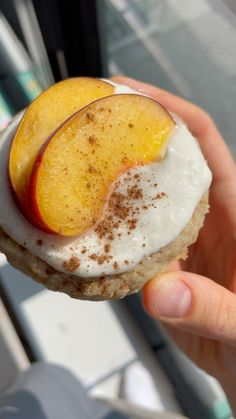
(43, 116)
(73, 176)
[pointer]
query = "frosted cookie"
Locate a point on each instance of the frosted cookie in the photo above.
(100, 188)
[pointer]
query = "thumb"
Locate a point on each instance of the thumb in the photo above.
(192, 303)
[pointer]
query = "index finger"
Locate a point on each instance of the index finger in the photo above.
(200, 124)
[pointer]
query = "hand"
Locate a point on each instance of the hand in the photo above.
(196, 299)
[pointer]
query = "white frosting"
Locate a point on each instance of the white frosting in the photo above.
(182, 176)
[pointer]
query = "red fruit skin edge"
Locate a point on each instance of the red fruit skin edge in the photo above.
(32, 192)
(25, 207)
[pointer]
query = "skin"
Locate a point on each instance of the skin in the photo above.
(203, 324)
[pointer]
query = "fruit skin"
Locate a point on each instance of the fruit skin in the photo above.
(67, 129)
(36, 217)
(44, 115)
(28, 210)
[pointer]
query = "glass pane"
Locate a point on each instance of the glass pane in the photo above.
(187, 47)
(24, 66)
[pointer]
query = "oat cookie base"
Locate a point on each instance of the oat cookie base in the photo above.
(105, 287)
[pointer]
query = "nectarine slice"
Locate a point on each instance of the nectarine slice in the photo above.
(42, 117)
(74, 171)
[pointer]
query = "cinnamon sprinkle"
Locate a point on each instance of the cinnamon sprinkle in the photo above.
(121, 210)
(92, 169)
(90, 116)
(135, 193)
(72, 264)
(132, 223)
(100, 258)
(160, 195)
(92, 139)
(107, 248)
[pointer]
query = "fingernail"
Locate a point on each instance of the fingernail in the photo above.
(171, 298)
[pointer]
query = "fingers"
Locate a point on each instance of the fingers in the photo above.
(192, 303)
(200, 123)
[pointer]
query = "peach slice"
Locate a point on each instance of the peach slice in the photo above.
(42, 117)
(73, 173)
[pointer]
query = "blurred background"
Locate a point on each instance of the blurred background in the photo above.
(187, 47)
